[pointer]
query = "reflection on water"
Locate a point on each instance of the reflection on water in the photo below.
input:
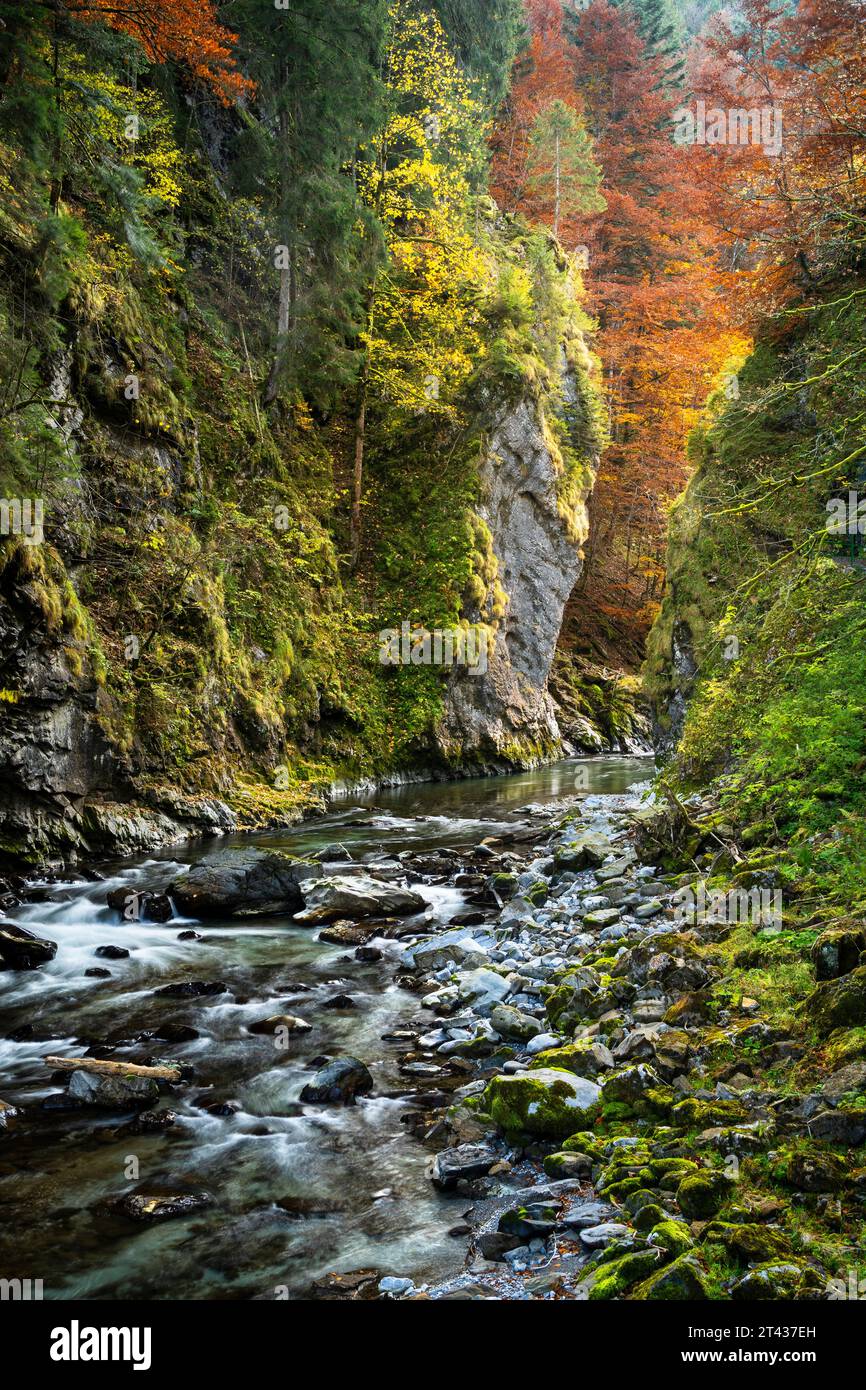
(298, 1190)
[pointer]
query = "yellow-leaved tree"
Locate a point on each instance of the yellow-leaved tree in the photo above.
(422, 337)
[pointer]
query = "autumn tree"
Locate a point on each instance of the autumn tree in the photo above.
(654, 281)
(542, 76)
(422, 335)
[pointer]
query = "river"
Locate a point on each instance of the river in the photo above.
(299, 1191)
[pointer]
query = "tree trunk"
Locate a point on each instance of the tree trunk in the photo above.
(358, 475)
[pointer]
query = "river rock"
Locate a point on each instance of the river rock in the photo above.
(339, 1082)
(484, 987)
(450, 948)
(247, 884)
(327, 899)
(463, 1163)
(8, 1113)
(511, 1023)
(113, 1092)
(21, 950)
(192, 989)
(144, 1207)
(112, 953)
(346, 934)
(140, 905)
(586, 851)
(548, 1103)
(278, 1022)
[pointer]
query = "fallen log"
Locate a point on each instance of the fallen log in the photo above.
(112, 1068)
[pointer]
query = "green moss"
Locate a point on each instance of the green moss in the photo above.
(545, 1104)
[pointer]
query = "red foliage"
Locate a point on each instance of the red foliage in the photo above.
(184, 30)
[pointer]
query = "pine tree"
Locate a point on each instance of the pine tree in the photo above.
(317, 99)
(564, 178)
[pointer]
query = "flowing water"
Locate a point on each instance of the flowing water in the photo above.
(298, 1190)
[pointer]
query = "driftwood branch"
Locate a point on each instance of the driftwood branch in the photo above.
(111, 1068)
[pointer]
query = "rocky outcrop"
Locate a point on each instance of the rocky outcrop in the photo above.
(66, 790)
(503, 715)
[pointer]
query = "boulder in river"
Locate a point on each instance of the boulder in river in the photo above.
(268, 1027)
(511, 1023)
(192, 989)
(113, 1092)
(141, 1206)
(136, 905)
(248, 884)
(347, 934)
(21, 950)
(328, 899)
(339, 1081)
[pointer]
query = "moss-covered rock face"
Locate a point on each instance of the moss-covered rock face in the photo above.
(547, 1104)
(702, 1195)
(839, 1003)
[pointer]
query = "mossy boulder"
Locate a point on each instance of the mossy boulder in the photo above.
(503, 885)
(586, 1057)
(811, 1170)
(618, 1276)
(537, 893)
(647, 1217)
(682, 1282)
(585, 851)
(568, 1165)
(693, 1114)
(672, 1236)
(511, 1023)
(629, 1087)
(778, 1280)
(585, 1142)
(839, 1003)
(747, 1241)
(546, 1104)
(702, 1195)
(578, 996)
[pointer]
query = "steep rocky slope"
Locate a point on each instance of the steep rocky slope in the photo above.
(186, 650)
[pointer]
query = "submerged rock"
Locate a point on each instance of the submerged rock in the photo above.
(144, 1207)
(339, 1082)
